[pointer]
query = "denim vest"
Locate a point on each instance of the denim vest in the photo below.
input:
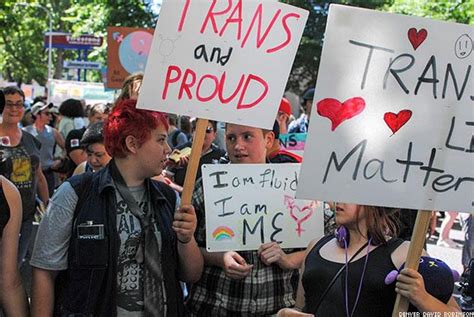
(89, 286)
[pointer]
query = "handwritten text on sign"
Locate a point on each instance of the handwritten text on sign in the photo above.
(216, 59)
(251, 204)
(393, 122)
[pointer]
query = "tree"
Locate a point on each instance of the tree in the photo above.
(460, 11)
(305, 67)
(22, 29)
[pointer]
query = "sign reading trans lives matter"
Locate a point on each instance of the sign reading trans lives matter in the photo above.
(222, 60)
(393, 115)
(251, 204)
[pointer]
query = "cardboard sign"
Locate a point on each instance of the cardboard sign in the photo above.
(222, 60)
(293, 142)
(393, 120)
(251, 204)
(127, 53)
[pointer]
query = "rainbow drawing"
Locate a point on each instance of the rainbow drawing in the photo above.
(223, 233)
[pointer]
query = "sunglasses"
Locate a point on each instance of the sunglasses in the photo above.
(11, 104)
(209, 129)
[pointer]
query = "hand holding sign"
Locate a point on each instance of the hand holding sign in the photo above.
(184, 223)
(271, 253)
(235, 265)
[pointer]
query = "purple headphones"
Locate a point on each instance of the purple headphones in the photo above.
(343, 238)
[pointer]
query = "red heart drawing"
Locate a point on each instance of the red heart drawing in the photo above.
(396, 121)
(337, 112)
(417, 37)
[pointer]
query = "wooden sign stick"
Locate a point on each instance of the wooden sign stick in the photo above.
(193, 163)
(414, 253)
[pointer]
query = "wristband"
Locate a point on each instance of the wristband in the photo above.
(182, 242)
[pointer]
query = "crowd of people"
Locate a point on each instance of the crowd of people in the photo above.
(115, 239)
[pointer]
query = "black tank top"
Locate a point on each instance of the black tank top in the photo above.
(376, 298)
(4, 212)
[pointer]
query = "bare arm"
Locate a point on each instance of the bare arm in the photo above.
(13, 300)
(272, 253)
(81, 168)
(42, 298)
(213, 258)
(42, 185)
(59, 139)
(78, 156)
(191, 262)
(233, 264)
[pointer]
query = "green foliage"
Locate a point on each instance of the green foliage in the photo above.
(22, 31)
(461, 11)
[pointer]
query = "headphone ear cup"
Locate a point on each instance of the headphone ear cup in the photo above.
(342, 234)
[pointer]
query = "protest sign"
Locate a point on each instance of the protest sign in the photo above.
(293, 142)
(251, 204)
(127, 53)
(393, 117)
(222, 60)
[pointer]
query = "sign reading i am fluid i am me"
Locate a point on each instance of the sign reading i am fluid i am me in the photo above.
(222, 60)
(251, 204)
(393, 116)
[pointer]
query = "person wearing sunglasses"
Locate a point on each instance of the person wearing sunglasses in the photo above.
(210, 154)
(20, 154)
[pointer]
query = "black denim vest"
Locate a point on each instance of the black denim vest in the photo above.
(89, 286)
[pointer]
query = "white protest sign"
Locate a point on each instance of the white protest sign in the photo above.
(222, 60)
(251, 204)
(393, 118)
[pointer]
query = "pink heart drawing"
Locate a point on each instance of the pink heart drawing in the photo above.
(417, 37)
(396, 121)
(300, 215)
(337, 112)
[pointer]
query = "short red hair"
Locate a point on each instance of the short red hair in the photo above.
(124, 120)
